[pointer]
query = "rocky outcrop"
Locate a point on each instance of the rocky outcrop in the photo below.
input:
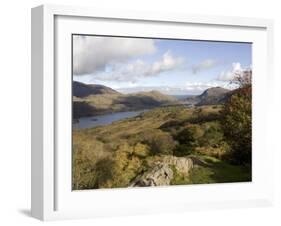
(160, 175)
(162, 172)
(181, 164)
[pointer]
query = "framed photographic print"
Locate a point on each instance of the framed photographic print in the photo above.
(137, 113)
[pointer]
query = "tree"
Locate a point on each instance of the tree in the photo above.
(188, 140)
(243, 80)
(237, 120)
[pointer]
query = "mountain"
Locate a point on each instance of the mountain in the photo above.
(211, 96)
(83, 90)
(90, 100)
(156, 96)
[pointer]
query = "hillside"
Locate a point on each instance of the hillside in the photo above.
(211, 96)
(90, 100)
(104, 100)
(83, 90)
(152, 150)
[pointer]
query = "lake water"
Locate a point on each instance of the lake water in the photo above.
(94, 121)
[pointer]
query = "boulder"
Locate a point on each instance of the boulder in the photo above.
(181, 164)
(162, 173)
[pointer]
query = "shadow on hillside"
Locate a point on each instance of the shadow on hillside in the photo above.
(137, 101)
(83, 109)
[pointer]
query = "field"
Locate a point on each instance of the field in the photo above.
(150, 149)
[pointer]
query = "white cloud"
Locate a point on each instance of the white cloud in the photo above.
(201, 86)
(204, 65)
(131, 72)
(92, 53)
(235, 70)
(188, 88)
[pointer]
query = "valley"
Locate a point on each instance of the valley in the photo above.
(89, 100)
(166, 142)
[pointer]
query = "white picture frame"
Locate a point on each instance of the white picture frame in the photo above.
(51, 198)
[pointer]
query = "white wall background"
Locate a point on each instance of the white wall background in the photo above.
(15, 112)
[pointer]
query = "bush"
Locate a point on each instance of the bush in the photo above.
(190, 136)
(213, 135)
(118, 170)
(83, 174)
(237, 125)
(103, 172)
(115, 169)
(84, 161)
(141, 150)
(160, 143)
(182, 150)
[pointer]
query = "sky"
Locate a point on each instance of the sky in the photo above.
(174, 67)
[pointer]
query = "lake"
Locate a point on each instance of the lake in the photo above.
(100, 120)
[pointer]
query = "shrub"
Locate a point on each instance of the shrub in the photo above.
(141, 150)
(103, 172)
(190, 136)
(161, 143)
(237, 122)
(83, 176)
(213, 135)
(115, 169)
(118, 170)
(84, 161)
(182, 150)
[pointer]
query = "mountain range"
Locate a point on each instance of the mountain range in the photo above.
(89, 100)
(93, 99)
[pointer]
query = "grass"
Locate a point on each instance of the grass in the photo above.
(216, 171)
(219, 171)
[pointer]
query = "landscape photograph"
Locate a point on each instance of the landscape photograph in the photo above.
(160, 112)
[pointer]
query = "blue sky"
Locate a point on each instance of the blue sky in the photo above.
(176, 67)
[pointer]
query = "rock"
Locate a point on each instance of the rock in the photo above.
(182, 164)
(162, 173)
(198, 162)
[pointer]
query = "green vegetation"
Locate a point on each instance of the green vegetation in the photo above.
(114, 155)
(206, 144)
(215, 171)
(237, 121)
(219, 171)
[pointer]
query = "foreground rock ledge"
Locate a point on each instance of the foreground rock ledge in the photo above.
(162, 173)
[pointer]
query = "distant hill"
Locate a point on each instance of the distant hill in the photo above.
(155, 96)
(92, 100)
(83, 90)
(211, 96)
